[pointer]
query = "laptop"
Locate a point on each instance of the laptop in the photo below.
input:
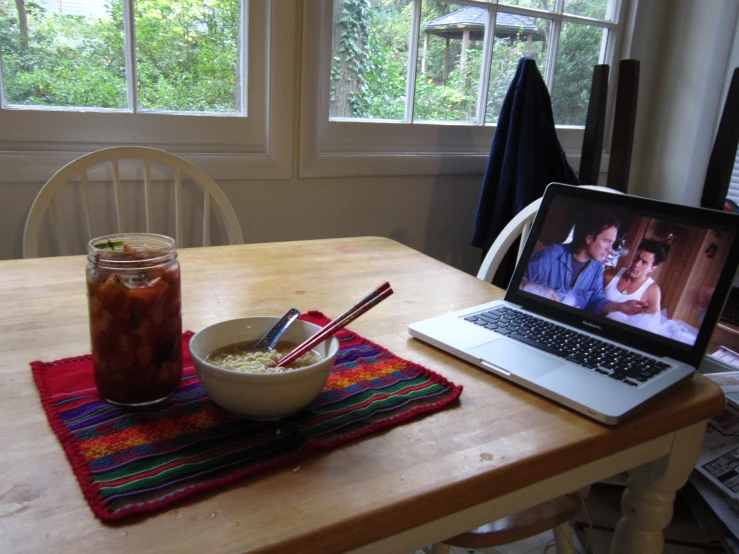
(613, 301)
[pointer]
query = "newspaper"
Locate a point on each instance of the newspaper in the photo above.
(717, 475)
(727, 357)
(729, 383)
(726, 509)
(719, 457)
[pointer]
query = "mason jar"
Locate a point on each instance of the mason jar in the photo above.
(133, 291)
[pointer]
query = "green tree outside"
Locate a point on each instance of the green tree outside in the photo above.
(187, 59)
(382, 87)
(187, 56)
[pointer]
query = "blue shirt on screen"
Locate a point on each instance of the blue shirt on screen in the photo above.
(552, 267)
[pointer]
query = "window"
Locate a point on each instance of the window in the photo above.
(433, 74)
(185, 56)
(188, 76)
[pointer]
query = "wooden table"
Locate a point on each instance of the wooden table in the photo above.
(499, 450)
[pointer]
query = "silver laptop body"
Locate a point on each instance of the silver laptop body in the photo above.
(620, 361)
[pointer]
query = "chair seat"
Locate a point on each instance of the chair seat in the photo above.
(523, 524)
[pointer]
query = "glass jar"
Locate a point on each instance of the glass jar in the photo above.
(133, 291)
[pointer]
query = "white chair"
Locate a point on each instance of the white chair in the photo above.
(517, 227)
(105, 185)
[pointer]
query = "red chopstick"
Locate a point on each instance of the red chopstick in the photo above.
(370, 296)
(369, 301)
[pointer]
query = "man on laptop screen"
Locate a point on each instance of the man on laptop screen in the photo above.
(636, 283)
(573, 273)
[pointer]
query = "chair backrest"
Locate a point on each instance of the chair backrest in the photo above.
(117, 191)
(624, 124)
(517, 227)
(723, 154)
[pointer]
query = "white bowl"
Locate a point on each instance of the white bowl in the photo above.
(260, 395)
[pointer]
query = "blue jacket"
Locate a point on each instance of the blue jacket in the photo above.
(524, 158)
(552, 267)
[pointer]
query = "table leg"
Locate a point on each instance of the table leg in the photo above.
(563, 541)
(647, 503)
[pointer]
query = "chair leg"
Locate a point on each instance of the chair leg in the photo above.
(440, 548)
(563, 539)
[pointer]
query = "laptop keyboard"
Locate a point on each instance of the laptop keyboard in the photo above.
(618, 363)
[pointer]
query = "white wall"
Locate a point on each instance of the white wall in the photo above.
(432, 214)
(685, 48)
(15, 201)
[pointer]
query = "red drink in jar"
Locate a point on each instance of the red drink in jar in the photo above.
(133, 289)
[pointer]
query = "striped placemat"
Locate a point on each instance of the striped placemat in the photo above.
(130, 462)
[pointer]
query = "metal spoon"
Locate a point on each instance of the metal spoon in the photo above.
(269, 340)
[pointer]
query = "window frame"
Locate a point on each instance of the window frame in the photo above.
(36, 142)
(373, 148)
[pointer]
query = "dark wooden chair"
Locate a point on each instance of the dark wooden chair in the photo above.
(723, 153)
(624, 122)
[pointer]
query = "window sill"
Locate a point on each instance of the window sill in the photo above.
(406, 164)
(38, 167)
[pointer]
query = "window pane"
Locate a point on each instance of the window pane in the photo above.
(449, 61)
(58, 57)
(590, 8)
(369, 53)
(515, 36)
(187, 55)
(538, 4)
(579, 51)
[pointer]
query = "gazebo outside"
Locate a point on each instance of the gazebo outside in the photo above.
(468, 24)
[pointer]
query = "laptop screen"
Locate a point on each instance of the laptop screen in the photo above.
(627, 267)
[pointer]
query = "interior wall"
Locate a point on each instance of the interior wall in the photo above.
(15, 203)
(684, 47)
(434, 215)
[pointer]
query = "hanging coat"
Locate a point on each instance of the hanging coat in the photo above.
(525, 156)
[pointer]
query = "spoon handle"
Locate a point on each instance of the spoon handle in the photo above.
(269, 340)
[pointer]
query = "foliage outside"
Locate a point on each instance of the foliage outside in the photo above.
(377, 88)
(186, 60)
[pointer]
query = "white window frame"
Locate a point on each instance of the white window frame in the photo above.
(34, 143)
(359, 148)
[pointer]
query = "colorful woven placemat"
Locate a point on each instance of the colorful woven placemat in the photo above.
(130, 462)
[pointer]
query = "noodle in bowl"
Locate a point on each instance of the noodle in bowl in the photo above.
(242, 357)
(257, 392)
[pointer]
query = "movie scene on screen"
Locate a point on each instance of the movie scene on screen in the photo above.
(648, 272)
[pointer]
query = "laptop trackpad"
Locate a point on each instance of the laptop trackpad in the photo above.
(516, 359)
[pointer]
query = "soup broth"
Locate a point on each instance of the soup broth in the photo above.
(244, 358)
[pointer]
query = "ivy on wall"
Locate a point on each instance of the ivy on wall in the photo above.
(352, 63)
